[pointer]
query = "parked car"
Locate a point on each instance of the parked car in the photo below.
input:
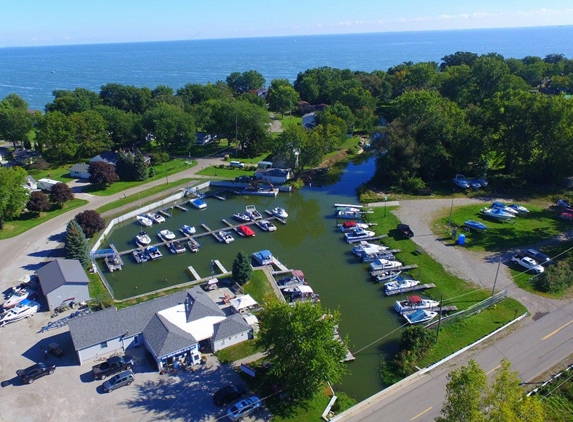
(243, 408)
(405, 230)
(117, 381)
(112, 366)
(228, 393)
(539, 257)
(32, 373)
(528, 263)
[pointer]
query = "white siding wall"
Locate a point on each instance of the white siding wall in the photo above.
(102, 349)
(230, 341)
(56, 297)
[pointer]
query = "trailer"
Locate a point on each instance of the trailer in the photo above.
(47, 184)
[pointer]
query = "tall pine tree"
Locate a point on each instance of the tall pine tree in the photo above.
(242, 271)
(140, 171)
(77, 244)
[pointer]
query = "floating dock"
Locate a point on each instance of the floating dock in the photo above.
(181, 207)
(220, 266)
(279, 264)
(411, 289)
(193, 272)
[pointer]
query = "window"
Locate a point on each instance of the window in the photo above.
(103, 345)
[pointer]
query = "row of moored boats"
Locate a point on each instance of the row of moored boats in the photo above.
(19, 303)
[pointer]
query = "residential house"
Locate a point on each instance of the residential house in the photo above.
(275, 176)
(80, 171)
(25, 157)
(111, 157)
(62, 280)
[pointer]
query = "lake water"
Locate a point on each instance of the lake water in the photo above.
(310, 241)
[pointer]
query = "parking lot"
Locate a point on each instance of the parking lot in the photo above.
(72, 394)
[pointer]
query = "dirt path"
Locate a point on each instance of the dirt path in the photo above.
(477, 267)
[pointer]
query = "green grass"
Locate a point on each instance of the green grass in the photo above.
(287, 121)
(29, 220)
(237, 351)
(258, 286)
(226, 172)
(538, 225)
(61, 173)
(464, 332)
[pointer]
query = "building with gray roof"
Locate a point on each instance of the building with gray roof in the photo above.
(63, 280)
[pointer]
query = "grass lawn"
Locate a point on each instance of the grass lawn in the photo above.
(526, 229)
(226, 173)
(61, 173)
(29, 220)
(258, 286)
(287, 121)
(237, 351)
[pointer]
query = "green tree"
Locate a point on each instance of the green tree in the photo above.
(123, 127)
(56, 133)
(242, 271)
(38, 202)
(124, 167)
(173, 128)
(76, 244)
(76, 101)
(300, 344)
(13, 194)
(61, 193)
(140, 171)
(282, 96)
(15, 120)
(246, 81)
(556, 278)
(102, 174)
(128, 98)
(90, 133)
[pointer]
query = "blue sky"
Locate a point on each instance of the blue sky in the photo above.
(56, 22)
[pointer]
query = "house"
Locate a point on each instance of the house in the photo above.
(80, 171)
(31, 183)
(273, 175)
(24, 157)
(62, 280)
(170, 327)
(109, 157)
(264, 164)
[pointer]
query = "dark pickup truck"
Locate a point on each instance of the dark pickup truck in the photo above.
(405, 230)
(112, 366)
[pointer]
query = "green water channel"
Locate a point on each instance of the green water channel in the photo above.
(310, 241)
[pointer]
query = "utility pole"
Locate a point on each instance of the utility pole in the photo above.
(495, 281)
(450, 218)
(439, 318)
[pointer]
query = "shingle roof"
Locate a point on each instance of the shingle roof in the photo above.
(59, 272)
(230, 327)
(164, 337)
(80, 168)
(199, 305)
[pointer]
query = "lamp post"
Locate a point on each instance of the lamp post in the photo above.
(385, 199)
(450, 218)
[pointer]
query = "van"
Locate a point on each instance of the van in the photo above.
(236, 164)
(120, 380)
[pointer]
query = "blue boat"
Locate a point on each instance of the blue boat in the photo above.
(198, 203)
(475, 225)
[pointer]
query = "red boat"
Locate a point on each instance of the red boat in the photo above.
(246, 231)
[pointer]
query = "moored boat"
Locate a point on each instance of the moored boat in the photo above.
(384, 264)
(370, 257)
(358, 234)
(188, 230)
(198, 203)
(242, 217)
(366, 247)
(351, 225)
(193, 245)
(266, 225)
(252, 212)
(502, 206)
(414, 303)
(175, 247)
(475, 225)
(264, 257)
(142, 239)
(144, 221)
(387, 276)
(153, 253)
(246, 231)
(279, 212)
(25, 309)
(225, 237)
(156, 217)
(419, 316)
(140, 256)
(399, 284)
(166, 234)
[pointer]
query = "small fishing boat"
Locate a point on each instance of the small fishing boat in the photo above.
(19, 295)
(419, 316)
(175, 247)
(414, 303)
(25, 309)
(519, 208)
(156, 217)
(384, 264)
(242, 217)
(387, 276)
(358, 234)
(279, 212)
(475, 225)
(252, 212)
(198, 203)
(399, 284)
(142, 239)
(166, 234)
(225, 237)
(366, 247)
(348, 214)
(193, 245)
(266, 225)
(144, 221)
(503, 207)
(246, 231)
(188, 230)
(497, 214)
(153, 253)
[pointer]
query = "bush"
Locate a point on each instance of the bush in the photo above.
(556, 279)
(413, 185)
(159, 158)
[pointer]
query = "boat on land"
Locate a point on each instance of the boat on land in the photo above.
(266, 225)
(198, 203)
(497, 214)
(153, 253)
(252, 212)
(519, 208)
(156, 217)
(387, 276)
(506, 208)
(279, 212)
(225, 237)
(242, 217)
(176, 247)
(384, 264)
(366, 247)
(358, 234)
(246, 231)
(419, 316)
(414, 303)
(351, 225)
(142, 239)
(144, 221)
(166, 234)
(188, 230)
(25, 309)
(18, 296)
(475, 225)
(140, 256)
(399, 284)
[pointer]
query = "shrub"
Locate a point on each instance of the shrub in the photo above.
(556, 278)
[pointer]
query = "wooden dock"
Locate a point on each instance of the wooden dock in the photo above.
(282, 220)
(402, 268)
(220, 266)
(164, 213)
(411, 289)
(181, 207)
(194, 273)
(445, 309)
(279, 264)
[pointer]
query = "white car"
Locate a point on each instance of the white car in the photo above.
(528, 263)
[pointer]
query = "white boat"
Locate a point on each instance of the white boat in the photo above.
(252, 212)
(399, 284)
(414, 303)
(384, 264)
(348, 215)
(420, 316)
(175, 247)
(153, 253)
(166, 234)
(366, 247)
(503, 207)
(144, 221)
(498, 214)
(225, 236)
(264, 257)
(18, 296)
(266, 225)
(193, 245)
(242, 217)
(156, 217)
(279, 212)
(140, 256)
(198, 203)
(387, 276)
(142, 239)
(24, 309)
(358, 234)
(371, 257)
(519, 208)
(348, 226)
(188, 230)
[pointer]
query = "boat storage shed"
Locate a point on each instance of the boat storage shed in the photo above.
(62, 280)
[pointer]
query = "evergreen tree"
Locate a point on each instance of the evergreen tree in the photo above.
(76, 244)
(242, 271)
(139, 167)
(124, 166)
